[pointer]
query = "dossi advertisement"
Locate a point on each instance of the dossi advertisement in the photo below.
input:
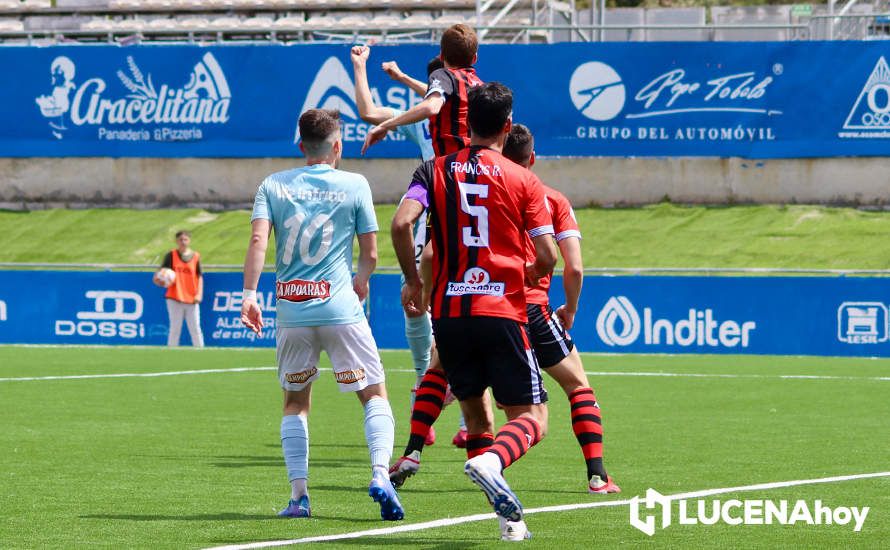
(753, 100)
(830, 316)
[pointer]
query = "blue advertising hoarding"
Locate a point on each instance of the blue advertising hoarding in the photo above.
(754, 100)
(828, 316)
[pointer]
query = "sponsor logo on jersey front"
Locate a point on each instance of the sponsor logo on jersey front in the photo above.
(299, 290)
(476, 281)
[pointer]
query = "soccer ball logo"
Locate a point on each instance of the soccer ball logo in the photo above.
(165, 277)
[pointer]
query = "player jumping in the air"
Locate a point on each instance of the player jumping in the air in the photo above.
(445, 102)
(481, 205)
(418, 329)
(553, 346)
(316, 212)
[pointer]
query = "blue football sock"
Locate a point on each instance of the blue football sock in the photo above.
(419, 333)
(295, 444)
(379, 431)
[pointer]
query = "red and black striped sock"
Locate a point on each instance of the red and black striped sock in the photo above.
(515, 438)
(478, 444)
(588, 427)
(428, 403)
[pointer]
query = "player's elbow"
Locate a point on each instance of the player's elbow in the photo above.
(432, 106)
(573, 269)
(372, 116)
(370, 261)
(258, 241)
(368, 257)
(546, 253)
(400, 225)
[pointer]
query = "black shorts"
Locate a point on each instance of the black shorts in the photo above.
(481, 352)
(550, 340)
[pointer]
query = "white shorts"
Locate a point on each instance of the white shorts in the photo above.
(351, 348)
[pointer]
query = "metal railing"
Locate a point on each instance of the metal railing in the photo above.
(850, 26)
(526, 33)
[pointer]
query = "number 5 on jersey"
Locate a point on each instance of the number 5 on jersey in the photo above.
(478, 212)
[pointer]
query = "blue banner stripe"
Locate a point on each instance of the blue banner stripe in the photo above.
(829, 316)
(755, 100)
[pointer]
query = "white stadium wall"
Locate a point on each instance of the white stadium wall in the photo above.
(28, 183)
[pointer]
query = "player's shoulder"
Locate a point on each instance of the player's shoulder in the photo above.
(283, 177)
(516, 172)
(351, 178)
(555, 197)
(440, 73)
(426, 167)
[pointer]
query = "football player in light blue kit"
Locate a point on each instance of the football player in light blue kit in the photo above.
(418, 328)
(316, 211)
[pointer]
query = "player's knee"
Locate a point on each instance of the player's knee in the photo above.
(571, 386)
(539, 413)
(370, 392)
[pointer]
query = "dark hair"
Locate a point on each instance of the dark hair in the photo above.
(434, 65)
(490, 106)
(316, 128)
(459, 45)
(520, 144)
(185, 232)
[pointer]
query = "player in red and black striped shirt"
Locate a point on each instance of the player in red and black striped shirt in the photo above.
(481, 206)
(553, 346)
(445, 102)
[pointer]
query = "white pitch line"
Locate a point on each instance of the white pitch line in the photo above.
(719, 375)
(589, 373)
(447, 522)
(135, 374)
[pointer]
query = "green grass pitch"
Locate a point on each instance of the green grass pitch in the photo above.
(193, 460)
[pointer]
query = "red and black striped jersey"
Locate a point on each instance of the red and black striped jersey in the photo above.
(564, 226)
(481, 206)
(449, 129)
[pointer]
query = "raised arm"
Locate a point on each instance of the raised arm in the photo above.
(251, 315)
(367, 110)
(429, 107)
(392, 69)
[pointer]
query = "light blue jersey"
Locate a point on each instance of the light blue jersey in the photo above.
(418, 133)
(316, 211)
